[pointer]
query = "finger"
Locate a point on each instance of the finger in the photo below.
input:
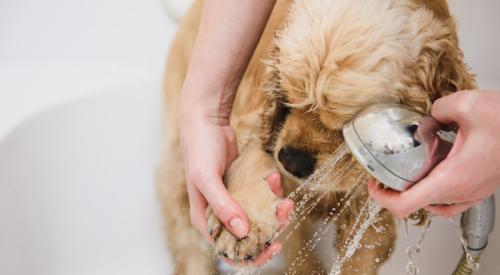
(274, 181)
(430, 189)
(454, 107)
(449, 210)
(285, 207)
(225, 208)
(197, 206)
(387, 198)
(435, 187)
(283, 212)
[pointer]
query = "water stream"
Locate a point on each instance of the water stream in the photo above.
(412, 250)
(372, 210)
(309, 194)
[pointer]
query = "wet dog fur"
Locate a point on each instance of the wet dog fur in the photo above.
(317, 64)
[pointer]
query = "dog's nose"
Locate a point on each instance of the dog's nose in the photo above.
(298, 162)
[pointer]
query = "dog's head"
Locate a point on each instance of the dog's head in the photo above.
(335, 57)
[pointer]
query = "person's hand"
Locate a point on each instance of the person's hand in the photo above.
(209, 146)
(470, 172)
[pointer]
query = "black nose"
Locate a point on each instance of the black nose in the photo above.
(298, 162)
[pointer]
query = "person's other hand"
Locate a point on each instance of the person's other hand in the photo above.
(209, 146)
(470, 172)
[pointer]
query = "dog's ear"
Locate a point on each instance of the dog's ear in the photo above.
(440, 69)
(275, 109)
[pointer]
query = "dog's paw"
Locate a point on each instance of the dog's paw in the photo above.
(262, 231)
(214, 226)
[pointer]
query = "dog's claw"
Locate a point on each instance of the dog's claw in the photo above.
(214, 226)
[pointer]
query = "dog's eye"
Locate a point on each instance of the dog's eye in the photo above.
(273, 121)
(280, 114)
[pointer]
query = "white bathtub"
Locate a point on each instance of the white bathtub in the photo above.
(76, 166)
(76, 192)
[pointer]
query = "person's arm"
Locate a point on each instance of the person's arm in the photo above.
(228, 34)
(469, 174)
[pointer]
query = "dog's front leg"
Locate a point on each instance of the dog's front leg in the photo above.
(246, 181)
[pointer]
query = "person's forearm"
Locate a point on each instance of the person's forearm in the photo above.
(228, 34)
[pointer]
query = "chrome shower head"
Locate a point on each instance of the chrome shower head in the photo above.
(399, 147)
(395, 145)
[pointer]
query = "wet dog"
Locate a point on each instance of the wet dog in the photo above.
(317, 64)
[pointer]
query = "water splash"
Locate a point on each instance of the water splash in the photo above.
(372, 210)
(312, 182)
(308, 195)
(307, 204)
(310, 190)
(328, 221)
(411, 267)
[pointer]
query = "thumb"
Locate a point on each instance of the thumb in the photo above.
(454, 108)
(225, 208)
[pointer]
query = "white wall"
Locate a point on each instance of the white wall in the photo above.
(53, 51)
(479, 34)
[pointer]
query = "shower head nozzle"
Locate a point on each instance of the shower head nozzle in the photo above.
(396, 145)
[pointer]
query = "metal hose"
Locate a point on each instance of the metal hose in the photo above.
(466, 267)
(477, 223)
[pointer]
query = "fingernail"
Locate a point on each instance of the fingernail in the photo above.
(237, 226)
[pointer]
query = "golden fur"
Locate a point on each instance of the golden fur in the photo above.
(318, 63)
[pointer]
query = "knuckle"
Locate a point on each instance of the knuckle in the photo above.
(465, 102)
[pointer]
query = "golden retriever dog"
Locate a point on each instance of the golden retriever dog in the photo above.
(317, 64)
